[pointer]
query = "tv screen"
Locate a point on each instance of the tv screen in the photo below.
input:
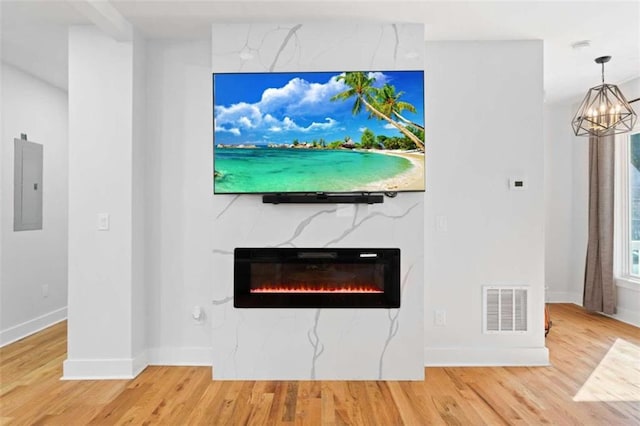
(310, 132)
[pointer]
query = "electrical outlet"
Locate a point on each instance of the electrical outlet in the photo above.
(197, 314)
(103, 221)
(440, 318)
(45, 291)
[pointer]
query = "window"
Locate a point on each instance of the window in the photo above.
(628, 191)
(634, 204)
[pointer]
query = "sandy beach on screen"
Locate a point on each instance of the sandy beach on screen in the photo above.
(411, 180)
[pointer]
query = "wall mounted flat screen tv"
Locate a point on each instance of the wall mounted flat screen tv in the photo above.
(318, 132)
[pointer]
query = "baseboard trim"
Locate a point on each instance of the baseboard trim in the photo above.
(188, 356)
(27, 328)
(139, 363)
(627, 316)
(485, 357)
(564, 297)
(103, 369)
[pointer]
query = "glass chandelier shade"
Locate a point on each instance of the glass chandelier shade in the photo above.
(604, 110)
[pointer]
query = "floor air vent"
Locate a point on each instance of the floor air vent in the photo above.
(505, 309)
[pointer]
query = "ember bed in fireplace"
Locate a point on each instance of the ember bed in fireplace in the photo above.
(316, 278)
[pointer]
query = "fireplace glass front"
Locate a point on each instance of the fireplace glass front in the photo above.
(316, 278)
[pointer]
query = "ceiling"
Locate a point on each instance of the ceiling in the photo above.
(34, 33)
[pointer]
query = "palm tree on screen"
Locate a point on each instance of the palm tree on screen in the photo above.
(388, 102)
(360, 87)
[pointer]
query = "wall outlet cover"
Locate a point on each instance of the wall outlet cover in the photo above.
(103, 221)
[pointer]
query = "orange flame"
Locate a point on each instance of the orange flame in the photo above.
(316, 288)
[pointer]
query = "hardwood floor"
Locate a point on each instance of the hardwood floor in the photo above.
(31, 392)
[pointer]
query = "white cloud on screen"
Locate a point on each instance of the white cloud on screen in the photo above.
(286, 102)
(380, 78)
(233, 130)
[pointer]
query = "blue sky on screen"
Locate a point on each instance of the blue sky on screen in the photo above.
(262, 108)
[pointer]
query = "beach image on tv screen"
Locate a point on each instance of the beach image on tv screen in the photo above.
(332, 132)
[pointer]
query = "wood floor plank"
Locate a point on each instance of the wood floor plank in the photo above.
(347, 410)
(225, 411)
(328, 406)
(278, 406)
(409, 414)
(115, 410)
(205, 410)
(308, 405)
(382, 410)
(31, 392)
(289, 414)
(194, 383)
(260, 412)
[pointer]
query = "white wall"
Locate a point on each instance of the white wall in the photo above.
(566, 202)
(180, 269)
(560, 253)
(139, 190)
(484, 125)
(33, 259)
(467, 182)
(102, 338)
(178, 185)
(495, 236)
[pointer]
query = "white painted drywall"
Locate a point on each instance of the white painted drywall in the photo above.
(484, 125)
(566, 202)
(139, 190)
(559, 146)
(101, 263)
(579, 212)
(33, 259)
(178, 182)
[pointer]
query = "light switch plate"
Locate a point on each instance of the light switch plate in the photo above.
(440, 318)
(103, 221)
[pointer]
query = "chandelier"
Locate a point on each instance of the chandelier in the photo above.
(604, 110)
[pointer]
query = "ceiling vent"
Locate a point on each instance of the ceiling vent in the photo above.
(505, 309)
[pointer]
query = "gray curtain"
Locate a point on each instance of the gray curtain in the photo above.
(599, 287)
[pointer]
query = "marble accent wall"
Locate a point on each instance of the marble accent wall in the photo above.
(299, 344)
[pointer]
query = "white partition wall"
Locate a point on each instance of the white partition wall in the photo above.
(106, 337)
(484, 124)
(317, 343)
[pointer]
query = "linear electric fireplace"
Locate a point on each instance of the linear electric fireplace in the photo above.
(316, 278)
